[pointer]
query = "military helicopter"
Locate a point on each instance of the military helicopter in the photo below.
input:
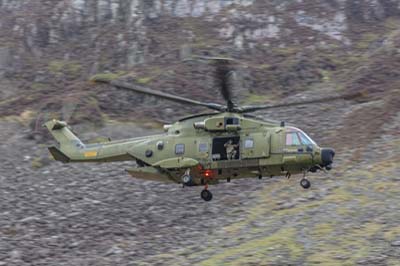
(203, 149)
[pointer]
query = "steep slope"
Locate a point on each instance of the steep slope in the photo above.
(51, 48)
(54, 214)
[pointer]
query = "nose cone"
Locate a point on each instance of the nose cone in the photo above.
(327, 155)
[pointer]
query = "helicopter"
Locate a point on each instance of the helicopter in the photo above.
(204, 149)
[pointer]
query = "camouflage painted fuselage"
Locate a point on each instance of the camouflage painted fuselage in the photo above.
(197, 146)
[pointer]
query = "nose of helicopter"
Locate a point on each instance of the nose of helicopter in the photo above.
(327, 155)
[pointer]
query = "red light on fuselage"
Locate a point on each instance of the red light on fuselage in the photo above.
(208, 173)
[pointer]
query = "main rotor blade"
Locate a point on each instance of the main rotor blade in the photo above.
(224, 78)
(253, 108)
(167, 96)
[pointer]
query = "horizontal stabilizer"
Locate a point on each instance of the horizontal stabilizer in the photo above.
(58, 155)
(150, 173)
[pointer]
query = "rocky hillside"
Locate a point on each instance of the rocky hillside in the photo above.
(49, 49)
(55, 214)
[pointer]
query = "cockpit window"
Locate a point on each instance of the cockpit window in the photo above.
(304, 139)
(292, 139)
(295, 136)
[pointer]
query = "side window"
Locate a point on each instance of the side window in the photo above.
(232, 121)
(248, 143)
(179, 148)
(203, 147)
(292, 139)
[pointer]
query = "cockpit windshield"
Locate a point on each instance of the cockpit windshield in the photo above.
(295, 136)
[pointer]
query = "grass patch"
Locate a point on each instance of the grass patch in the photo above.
(348, 248)
(265, 205)
(254, 98)
(37, 163)
(366, 40)
(392, 233)
(26, 117)
(392, 23)
(364, 173)
(383, 186)
(323, 229)
(326, 75)
(256, 250)
(65, 67)
(286, 51)
(39, 86)
(108, 76)
(344, 211)
(144, 80)
(329, 256)
(384, 166)
(338, 195)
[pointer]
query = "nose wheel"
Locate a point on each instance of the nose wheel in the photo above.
(305, 183)
(206, 194)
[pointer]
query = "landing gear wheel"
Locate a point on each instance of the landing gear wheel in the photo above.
(305, 183)
(187, 180)
(206, 195)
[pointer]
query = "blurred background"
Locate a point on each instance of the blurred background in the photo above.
(54, 214)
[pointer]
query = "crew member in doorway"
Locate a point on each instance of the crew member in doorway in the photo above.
(231, 149)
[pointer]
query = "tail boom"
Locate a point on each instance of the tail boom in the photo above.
(72, 149)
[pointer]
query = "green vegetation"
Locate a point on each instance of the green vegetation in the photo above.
(255, 250)
(108, 75)
(286, 51)
(88, 110)
(392, 23)
(323, 229)
(144, 80)
(335, 239)
(346, 217)
(392, 233)
(39, 86)
(65, 67)
(264, 66)
(37, 163)
(253, 98)
(346, 247)
(26, 117)
(366, 40)
(326, 75)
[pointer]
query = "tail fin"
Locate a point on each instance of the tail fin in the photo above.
(63, 134)
(69, 143)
